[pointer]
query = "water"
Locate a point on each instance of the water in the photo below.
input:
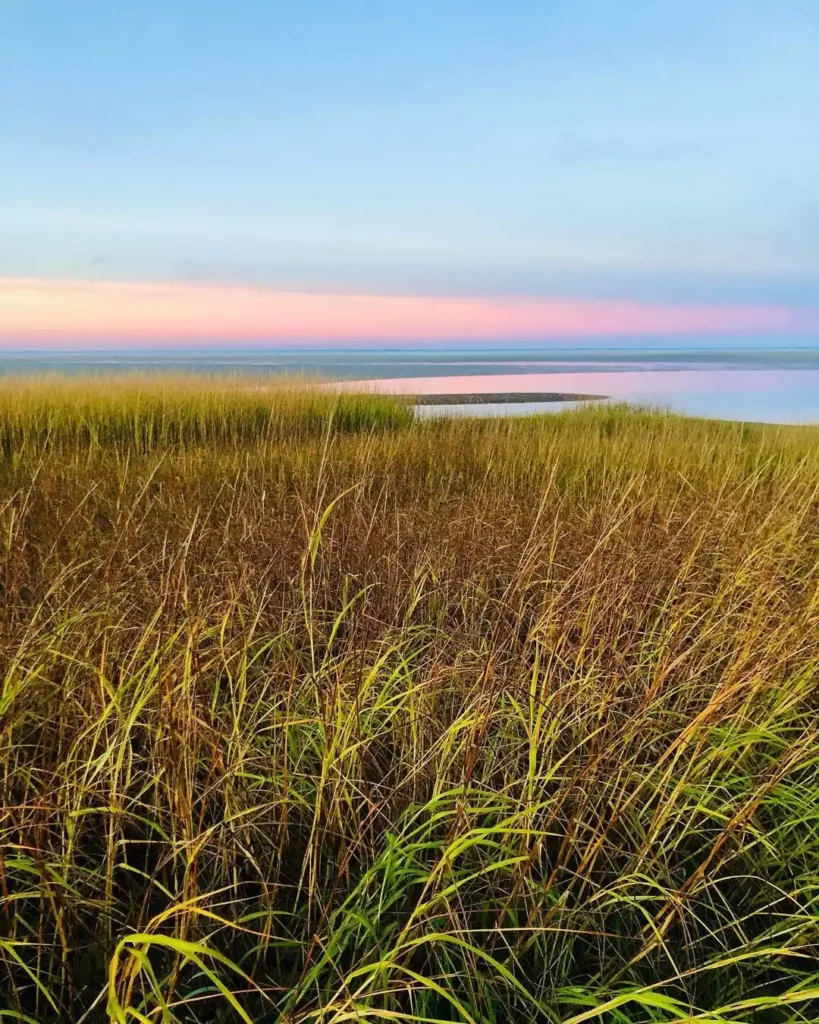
(493, 409)
(770, 395)
(762, 380)
(759, 384)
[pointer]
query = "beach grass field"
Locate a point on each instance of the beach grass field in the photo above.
(312, 711)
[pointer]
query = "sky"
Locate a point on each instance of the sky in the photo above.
(262, 172)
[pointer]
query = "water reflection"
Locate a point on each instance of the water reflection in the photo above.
(493, 409)
(770, 395)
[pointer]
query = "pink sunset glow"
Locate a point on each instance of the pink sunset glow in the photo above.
(47, 312)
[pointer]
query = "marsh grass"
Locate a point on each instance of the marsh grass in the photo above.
(356, 718)
(144, 411)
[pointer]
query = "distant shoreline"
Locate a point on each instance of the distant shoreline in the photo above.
(500, 398)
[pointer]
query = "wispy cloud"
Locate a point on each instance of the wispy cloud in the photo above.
(49, 312)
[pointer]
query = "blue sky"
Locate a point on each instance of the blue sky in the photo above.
(664, 152)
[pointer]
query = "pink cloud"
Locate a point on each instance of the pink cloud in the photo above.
(52, 312)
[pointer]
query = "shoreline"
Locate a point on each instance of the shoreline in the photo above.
(499, 398)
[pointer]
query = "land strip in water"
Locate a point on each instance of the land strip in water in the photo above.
(501, 397)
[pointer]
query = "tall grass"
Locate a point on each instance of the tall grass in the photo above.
(142, 411)
(441, 721)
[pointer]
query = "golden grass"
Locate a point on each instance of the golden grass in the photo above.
(313, 713)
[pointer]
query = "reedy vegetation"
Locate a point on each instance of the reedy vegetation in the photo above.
(313, 713)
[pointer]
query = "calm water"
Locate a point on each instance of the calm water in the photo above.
(493, 409)
(767, 379)
(770, 395)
